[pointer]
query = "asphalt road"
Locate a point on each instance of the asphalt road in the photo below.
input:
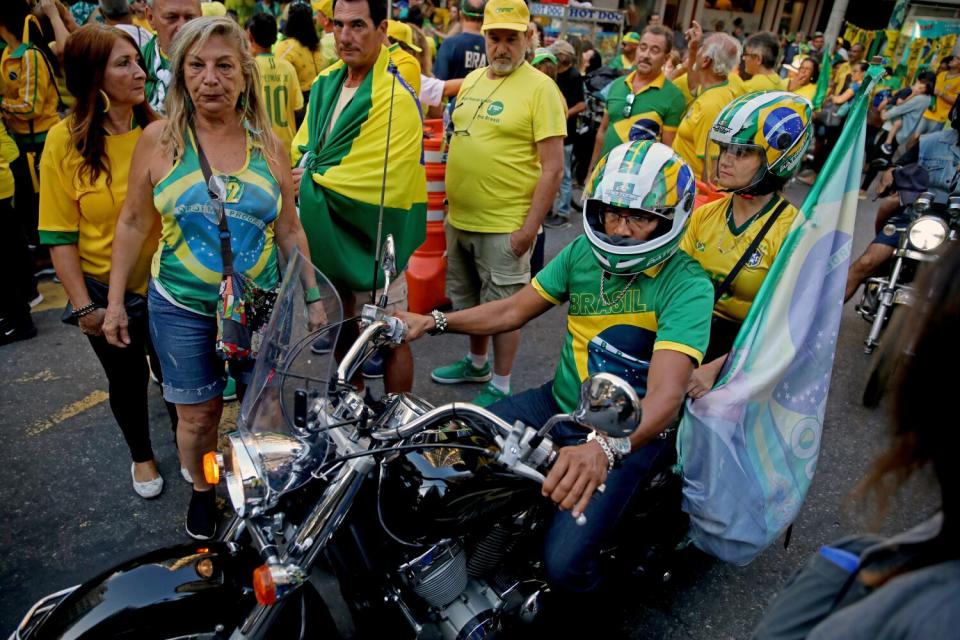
(68, 510)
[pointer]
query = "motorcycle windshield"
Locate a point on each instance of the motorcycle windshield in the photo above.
(295, 361)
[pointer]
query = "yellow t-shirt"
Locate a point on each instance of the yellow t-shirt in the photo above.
(73, 211)
(307, 63)
(408, 67)
(143, 23)
(807, 91)
(711, 240)
(737, 85)
(945, 84)
(328, 50)
(8, 153)
(281, 95)
(493, 170)
(29, 101)
(771, 82)
(691, 141)
(840, 74)
(683, 83)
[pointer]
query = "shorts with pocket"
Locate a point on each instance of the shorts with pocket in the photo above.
(481, 267)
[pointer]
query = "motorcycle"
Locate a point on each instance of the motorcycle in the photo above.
(354, 516)
(922, 233)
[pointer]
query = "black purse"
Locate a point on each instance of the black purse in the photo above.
(134, 303)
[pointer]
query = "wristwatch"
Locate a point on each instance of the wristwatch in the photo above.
(621, 447)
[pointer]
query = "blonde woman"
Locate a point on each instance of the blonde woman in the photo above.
(213, 108)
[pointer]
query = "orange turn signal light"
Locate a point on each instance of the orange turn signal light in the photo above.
(211, 468)
(263, 585)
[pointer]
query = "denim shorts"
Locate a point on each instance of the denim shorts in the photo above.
(185, 342)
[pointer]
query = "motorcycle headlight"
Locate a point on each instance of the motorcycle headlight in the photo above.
(927, 233)
(244, 485)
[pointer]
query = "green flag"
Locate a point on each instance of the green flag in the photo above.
(823, 82)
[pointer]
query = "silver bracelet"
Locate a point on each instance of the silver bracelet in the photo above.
(602, 441)
(439, 321)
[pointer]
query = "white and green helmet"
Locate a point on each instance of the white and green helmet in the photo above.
(777, 124)
(647, 177)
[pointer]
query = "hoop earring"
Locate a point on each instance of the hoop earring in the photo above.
(106, 100)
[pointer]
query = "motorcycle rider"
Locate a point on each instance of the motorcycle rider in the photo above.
(939, 154)
(640, 309)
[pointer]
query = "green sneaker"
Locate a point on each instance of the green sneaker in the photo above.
(230, 391)
(488, 395)
(461, 371)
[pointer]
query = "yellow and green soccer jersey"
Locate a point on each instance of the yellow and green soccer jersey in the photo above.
(74, 211)
(8, 153)
(771, 82)
(307, 63)
(691, 141)
(493, 168)
(281, 95)
(712, 240)
(29, 101)
(666, 307)
(656, 108)
(188, 266)
(408, 67)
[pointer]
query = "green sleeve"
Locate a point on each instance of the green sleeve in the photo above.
(675, 110)
(553, 281)
(685, 308)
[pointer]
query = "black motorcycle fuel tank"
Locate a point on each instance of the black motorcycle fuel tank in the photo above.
(177, 591)
(445, 492)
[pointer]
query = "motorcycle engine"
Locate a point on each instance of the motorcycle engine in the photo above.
(464, 586)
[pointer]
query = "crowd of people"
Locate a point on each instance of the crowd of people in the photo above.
(116, 115)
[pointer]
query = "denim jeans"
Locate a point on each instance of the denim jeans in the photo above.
(561, 204)
(572, 552)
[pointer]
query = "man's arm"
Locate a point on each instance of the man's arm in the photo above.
(580, 107)
(550, 151)
(580, 469)
(498, 316)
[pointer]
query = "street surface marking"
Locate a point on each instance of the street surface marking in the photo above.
(43, 376)
(68, 412)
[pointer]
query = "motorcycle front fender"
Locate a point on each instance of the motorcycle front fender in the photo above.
(191, 590)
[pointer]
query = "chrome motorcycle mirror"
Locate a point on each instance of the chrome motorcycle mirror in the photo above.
(608, 404)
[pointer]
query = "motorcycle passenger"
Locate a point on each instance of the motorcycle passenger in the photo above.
(938, 154)
(757, 143)
(640, 309)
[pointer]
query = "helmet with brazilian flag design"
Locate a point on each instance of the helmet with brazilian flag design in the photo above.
(776, 125)
(636, 178)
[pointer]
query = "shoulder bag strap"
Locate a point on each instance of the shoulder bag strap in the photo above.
(728, 281)
(226, 252)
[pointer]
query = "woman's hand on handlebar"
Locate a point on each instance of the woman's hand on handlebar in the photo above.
(417, 325)
(576, 474)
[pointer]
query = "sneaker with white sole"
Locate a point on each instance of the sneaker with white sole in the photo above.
(36, 300)
(462, 371)
(148, 489)
(186, 475)
(488, 395)
(202, 515)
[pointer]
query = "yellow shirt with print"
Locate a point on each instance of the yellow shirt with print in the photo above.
(8, 153)
(73, 211)
(711, 240)
(307, 63)
(945, 84)
(764, 82)
(493, 168)
(691, 141)
(281, 95)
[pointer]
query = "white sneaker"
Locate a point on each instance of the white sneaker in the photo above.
(186, 475)
(148, 489)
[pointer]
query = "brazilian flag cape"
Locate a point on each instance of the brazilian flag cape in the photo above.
(339, 207)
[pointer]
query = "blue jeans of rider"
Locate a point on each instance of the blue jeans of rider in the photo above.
(572, 552)
(561, 204)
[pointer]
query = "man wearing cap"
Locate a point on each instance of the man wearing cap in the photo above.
(323, 15)
(571, 86)
(504, 166)
(628, 46)
(400, 43)
(465, 51)
(645, 105)
(166, 17)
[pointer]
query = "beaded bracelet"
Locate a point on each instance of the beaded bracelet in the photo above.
(85, 310)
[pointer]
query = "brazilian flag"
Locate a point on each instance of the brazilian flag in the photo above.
(340, 205)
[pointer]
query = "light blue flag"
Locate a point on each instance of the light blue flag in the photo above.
(748, 448)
